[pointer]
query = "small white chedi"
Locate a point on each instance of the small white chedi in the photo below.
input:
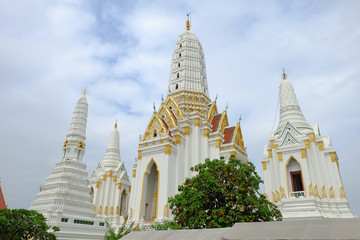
(65, 198)
(301, 168)
(185, 130)
(110, 185)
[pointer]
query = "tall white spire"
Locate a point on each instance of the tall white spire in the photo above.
(65, 198)
(112, 155)
(188, 70)
(74, 146)
(77, 130)
(289, 107)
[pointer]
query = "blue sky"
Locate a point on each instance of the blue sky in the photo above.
(121, 51)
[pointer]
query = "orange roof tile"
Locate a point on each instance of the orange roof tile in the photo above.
(2, 200)
(215, 122)
(228, 134)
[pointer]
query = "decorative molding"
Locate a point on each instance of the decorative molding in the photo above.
(166, 210)
(114, 178)
(197, 122)
(110, 173)
(323, 192)
(187, 130)
(97, 184)
(321, 145)
(274, 197)
(139, 154)
(270, 153)
(217, 143)
(280, 156)
(267, 198)
(276, 147)
(331, 192)
(66, 143)
(206, 132)
(312, 137)
(316, 192)
(134, 173)
(272, 144)
(130, 189)
(282, 191)
(311, 192)
(168, 149)
(178, 139)
(119, 186)
(307, 145)
(278, 195)
(264, 165)
(104, 177)
(303, 152)
(342, 193)
(81, 145)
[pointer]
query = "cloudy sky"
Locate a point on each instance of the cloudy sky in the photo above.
(121, 51)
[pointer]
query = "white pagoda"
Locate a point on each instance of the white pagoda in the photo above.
(110, 185)
(301, 167)
(185, 130)
(65, 198)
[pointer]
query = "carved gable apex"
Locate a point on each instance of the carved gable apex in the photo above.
(173, 106)
(289, 140)
(290, 128)
(168, 116)
(212, 111)
(223, 122)
(238, 138)
(156, 128)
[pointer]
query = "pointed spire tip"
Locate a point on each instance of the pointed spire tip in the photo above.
(188, 22)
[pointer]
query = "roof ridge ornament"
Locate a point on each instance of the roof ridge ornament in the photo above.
(154, 107)
(188, 22)
(115, 124)
(284, 76)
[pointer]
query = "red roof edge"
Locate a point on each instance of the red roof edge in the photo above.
(2, 200)
(215, 122)
(228, 134)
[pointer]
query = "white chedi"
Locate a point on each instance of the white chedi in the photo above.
(301, 167)
(110, 185)
(65, 198)
(185, 130)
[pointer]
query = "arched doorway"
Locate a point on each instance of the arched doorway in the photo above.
(295, 179)
(150, 193)
(123, 203)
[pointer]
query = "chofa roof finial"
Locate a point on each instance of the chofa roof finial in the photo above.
(188, 22)
(284, 74)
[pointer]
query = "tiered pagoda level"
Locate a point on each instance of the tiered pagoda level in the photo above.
(301, 168)
(65, 198)
(185, 130)
(110, 185)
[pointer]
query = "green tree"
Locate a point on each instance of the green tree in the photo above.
(221, 194)
(24, 224)
(111, 233)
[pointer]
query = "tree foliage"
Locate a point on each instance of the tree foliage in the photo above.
(221, 194)
(24, 224)
(112, 234)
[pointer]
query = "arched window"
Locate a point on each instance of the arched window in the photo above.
(176, 86)
(178, 64)
(295, 179)
(180, 44)
(177, 75)
(155, 133)
(179, 54)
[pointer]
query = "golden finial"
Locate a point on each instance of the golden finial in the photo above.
(116, 124)
(284, 74)
(84, 92)
(188, 22)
